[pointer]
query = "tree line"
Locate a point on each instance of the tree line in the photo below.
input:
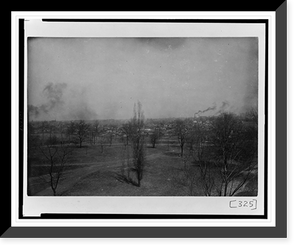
(218, 154)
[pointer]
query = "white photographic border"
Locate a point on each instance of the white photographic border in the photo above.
(46, 202)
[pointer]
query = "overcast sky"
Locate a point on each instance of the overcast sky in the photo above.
(102, 78)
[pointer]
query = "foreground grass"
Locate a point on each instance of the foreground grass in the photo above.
(157, 181)
(93, 171)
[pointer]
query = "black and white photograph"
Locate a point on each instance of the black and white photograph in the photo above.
(158, 118)
(143, 116)
(143, 125)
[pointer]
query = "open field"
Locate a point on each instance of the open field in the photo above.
(93, 170)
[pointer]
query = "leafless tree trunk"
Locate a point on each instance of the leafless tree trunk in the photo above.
(155, 136)
(137, 139)
(232, 143)
(136, 126)
(224, 165)
(181, 131)
(56, 157)
(81, 131)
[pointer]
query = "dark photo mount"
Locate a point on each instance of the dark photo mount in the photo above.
(128, 216)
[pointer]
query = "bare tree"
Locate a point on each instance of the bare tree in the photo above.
(155, 136)
(81, 131)
(199, 157)
(195, 174)
(95, 131)
(56, 156)
(188, 177)
(43, 129)
(223, 157)
(126, 132)
(70, 131)
(181, 131)
(137, 139)
(61, 127)
(235, 151)
(33, 142)
(110, 133)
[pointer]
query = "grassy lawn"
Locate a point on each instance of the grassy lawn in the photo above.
(93, 169)
(96, 169)
(157, 180)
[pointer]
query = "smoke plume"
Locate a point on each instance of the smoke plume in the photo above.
(222, 107)
(53, 94)
(61, 104)
(206, 110)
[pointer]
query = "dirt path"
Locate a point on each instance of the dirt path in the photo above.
(71, 177)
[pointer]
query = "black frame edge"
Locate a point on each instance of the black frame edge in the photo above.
(281, 120)
(281, 11)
